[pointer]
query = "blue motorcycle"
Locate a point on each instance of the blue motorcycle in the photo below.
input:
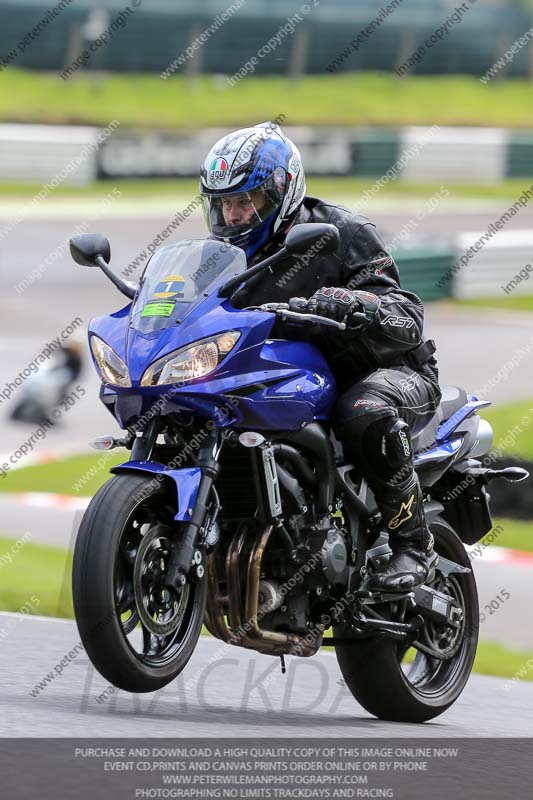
(237, 509)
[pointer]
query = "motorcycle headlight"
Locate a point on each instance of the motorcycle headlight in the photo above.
(193, 361)
(112, 368)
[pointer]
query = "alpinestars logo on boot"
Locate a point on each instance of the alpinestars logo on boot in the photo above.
(405, 509)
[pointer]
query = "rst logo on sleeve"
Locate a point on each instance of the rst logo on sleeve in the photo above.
(170, 287)
(397, 322)
(410, 382)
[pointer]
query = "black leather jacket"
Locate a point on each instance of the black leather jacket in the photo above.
(361, 262)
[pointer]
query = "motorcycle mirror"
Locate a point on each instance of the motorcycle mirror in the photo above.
(94, 250)
(86, 247)
(301, 238)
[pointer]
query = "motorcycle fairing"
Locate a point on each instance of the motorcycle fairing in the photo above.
(449, 425)
(186, 479)
(279, 384)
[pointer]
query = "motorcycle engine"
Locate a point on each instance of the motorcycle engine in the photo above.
(284, 587)
(270, 596)
(329, 552)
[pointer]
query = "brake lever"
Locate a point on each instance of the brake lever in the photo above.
(283, 311)
(274, 306)
(294, 316)
(267, 307)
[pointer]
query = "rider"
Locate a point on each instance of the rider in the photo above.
(253, 189)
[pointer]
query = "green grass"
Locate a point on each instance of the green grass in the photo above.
(61, 476)
(36, 571)
(519, 302)
(130, 188)
(507, 417)
(346, 99)
(516, 534)
(495, 659)
(330, 188)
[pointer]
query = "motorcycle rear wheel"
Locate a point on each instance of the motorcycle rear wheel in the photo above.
(390, 687)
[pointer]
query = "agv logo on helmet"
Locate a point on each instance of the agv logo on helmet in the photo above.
(218, 169)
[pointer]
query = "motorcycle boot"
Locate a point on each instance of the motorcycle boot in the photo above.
(413, 559)
(400, 500)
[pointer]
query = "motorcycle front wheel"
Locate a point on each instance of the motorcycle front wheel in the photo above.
(137, 635)
(403, 684)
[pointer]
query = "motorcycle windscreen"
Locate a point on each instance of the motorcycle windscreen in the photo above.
(177, 276)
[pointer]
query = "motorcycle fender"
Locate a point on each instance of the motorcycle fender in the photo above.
(467, 510)
(186, 481)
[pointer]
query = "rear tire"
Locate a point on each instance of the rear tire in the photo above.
(373, 670)
(121, 551)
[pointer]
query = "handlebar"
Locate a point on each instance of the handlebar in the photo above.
(283, 311)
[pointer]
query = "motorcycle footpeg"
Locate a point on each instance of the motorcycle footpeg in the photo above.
(362, 594)
(369, 596)
(384, 597)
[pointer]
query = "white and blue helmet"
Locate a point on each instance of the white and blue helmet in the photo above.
(259, 168)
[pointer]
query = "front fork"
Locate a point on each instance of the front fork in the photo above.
(183, 552)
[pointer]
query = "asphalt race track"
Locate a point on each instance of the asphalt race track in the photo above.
(224, 692)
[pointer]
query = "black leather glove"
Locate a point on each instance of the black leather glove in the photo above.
(340, 304)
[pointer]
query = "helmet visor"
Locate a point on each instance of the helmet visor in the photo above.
(234, 214)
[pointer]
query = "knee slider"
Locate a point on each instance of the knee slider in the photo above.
(375, 449)
(387, 449)
(397, 444)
